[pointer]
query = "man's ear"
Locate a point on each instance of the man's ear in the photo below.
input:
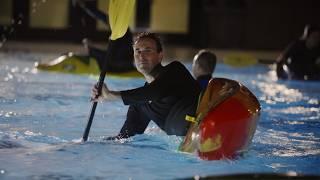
(160, 56)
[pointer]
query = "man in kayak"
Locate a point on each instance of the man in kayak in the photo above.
(301, 59)
(168, 96)
(123, 59)
(203, 66)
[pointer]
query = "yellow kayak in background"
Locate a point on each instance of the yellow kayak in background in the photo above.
(83, 65)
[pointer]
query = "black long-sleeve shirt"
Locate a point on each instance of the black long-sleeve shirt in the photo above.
(166, 101)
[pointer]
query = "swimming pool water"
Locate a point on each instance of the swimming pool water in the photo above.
(43, 116)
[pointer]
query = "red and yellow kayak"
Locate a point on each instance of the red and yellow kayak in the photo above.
(225, 122)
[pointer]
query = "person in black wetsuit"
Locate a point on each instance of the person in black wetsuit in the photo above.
(203, 66)
(168, 96)
(123, 59)
(301, 59)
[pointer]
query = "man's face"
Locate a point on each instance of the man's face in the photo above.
(146, 56)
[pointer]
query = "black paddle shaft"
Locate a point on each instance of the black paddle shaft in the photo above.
(100, 84)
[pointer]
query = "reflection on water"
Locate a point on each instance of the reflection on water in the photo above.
(43, 115)
(278, 93)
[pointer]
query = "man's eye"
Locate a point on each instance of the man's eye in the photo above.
(147, 50)
(139, 51)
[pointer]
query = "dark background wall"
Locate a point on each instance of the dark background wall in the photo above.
(250, 24)
(232, 24)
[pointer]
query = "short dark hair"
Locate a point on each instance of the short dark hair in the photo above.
(153, 36)
(207, 60)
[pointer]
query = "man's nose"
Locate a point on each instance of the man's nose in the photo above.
(141, 54)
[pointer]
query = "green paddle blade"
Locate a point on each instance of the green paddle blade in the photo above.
(239, 60)
(120, 12)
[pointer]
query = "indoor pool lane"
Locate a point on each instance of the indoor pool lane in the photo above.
(43, 116)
